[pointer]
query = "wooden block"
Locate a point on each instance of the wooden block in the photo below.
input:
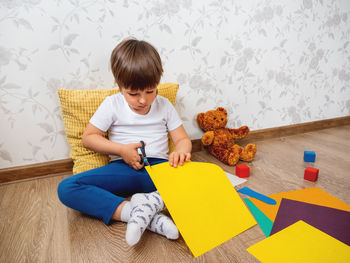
(309, 156)
(311, 174)
(242, 170)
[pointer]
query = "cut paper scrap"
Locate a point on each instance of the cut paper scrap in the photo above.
(333, 222)
(300, 242)
(202, 202)
(235, 180)
(264, 222)
(312, 195)
(261, 197)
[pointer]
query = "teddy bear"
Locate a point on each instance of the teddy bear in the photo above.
(220, 141)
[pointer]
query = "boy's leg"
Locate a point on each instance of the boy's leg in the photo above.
(91, 192)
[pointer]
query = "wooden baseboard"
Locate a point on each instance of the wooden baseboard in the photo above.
(61, 166)
(293, 129)
(35, 170)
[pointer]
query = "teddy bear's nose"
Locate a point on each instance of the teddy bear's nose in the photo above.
(222, 119)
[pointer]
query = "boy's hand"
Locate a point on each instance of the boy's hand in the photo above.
(131, 156)
(176, 158)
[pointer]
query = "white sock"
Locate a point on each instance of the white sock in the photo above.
(125, 214)
(143, 209)
(161, 224)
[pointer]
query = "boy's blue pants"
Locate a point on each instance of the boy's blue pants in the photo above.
(98, 192)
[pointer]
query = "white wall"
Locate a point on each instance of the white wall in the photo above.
(270, 63)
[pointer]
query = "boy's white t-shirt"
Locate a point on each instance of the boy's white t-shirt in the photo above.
(126, 126)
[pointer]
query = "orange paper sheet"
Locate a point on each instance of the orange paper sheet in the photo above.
(202, 202)
(312, 195)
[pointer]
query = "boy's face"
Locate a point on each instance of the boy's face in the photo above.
(140, 101)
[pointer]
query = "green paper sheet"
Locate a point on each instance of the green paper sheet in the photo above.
(264, 222)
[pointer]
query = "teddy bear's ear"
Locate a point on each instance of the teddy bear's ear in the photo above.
(222, 109)
(200, 118)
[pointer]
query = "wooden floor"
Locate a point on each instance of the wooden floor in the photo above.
(36, 227)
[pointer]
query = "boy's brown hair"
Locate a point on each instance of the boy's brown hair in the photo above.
(136, 64)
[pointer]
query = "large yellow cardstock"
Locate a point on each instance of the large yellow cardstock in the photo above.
(300, 242)
(202, 202)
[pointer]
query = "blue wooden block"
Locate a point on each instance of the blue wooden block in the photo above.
(309, 156)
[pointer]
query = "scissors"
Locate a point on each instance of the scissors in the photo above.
(143, 154)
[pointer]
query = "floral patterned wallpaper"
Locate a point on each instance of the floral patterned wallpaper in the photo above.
(269, 63)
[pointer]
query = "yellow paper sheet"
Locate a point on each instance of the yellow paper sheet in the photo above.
(300, 242)
(312, 195)
(202, 202)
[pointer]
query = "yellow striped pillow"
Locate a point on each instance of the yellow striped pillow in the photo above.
(78, 106)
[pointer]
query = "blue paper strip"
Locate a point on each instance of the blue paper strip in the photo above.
(261, 197)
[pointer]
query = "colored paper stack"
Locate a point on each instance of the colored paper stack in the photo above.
(307, 225)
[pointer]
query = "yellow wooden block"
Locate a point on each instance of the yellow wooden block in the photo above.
(202, 202)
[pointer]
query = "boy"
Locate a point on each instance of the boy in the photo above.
(135, 113)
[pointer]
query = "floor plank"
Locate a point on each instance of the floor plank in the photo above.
(33, 222)
(36, 227)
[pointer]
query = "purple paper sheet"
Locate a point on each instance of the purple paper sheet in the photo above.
(333, 222)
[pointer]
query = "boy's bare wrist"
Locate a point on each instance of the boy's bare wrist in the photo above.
(119, 149)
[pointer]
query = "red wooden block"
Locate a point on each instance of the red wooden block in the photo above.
(242, 170)
(311, 174)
